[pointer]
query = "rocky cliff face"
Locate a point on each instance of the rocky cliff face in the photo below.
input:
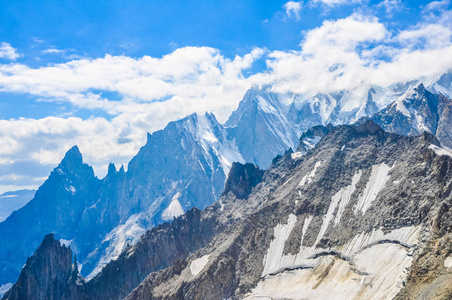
(352, 219)
(50, 273)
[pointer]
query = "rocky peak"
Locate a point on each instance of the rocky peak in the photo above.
(48, 274)
(367, 126)
(111, 169)
(242, 178)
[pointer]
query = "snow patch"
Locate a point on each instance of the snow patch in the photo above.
(71, 189)
(128, 233)
(4, 288)
(337, 206)
(441, 151)
(307, 179)
(272, 259)
(370, 268)
(174, 209)
(296, 155)
(448, 262)
(377, 180)
(197, 265)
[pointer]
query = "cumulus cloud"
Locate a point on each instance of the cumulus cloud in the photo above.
(360, 51)
(293, 9)
(8, 52)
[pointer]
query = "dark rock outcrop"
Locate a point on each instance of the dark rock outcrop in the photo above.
(49, 274)
(242, 178)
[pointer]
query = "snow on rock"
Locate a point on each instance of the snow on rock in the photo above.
(71, 189)
(198, 264)
(272, 260)
(310, 175)
(5, 287)
(448, 262)
(441, 151)
(128, 233)
(66, 243)
(377, 180)
(370, 266)
(311, 142)
(337, 206)
(174, 209)
(296, 155)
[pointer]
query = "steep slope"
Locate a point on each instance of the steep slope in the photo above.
(416, 111)
(57, 207)
(358, 228)
(182, 166)
(11, 201)
(261, 127)
(50, 273)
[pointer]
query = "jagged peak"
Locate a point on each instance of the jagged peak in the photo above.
(73, 155)
(111, 169)
(420, 88)
(367, 126)
(121, 170)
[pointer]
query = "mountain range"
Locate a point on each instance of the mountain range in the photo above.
(185, 166)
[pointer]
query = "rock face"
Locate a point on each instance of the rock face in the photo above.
(353, 218)
(50, 273)
(241, 179)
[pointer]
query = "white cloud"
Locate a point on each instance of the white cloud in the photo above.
(53, 51)
(8, 52)
(332, 3)
(359, 51)
(390, 6)
(437, 5)
(293, 9)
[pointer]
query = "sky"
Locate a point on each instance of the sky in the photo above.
(101, 74)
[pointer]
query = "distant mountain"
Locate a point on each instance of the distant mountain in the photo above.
(57, 207)
(416, 111)
(11, 201)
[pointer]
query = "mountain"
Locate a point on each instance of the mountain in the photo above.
(57, 207)
(182, 166)
(11, 201)
(372, 222)
(50, 273)
(365, 214)
(185, 165)
(416, 111)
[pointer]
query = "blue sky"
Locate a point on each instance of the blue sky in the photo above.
(74, 71)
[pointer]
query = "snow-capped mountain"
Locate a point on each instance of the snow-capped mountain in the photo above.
(416, 111)
(185, 165)
(365, 214)
(11, 201)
